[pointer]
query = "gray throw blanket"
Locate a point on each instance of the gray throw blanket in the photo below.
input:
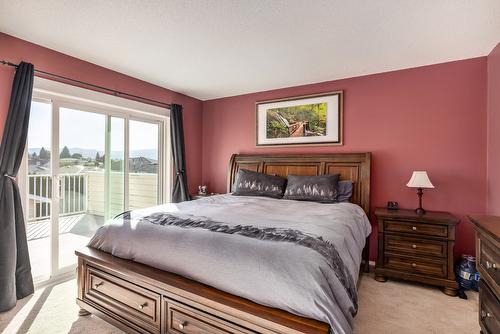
(325, 248)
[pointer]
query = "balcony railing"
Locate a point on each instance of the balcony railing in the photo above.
(40, 192)
(73, 195)
(85, 193)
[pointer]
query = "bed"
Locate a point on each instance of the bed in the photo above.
(232, 264)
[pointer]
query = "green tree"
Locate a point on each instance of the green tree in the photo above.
(76, 156)
(65, 153)
(44, 154)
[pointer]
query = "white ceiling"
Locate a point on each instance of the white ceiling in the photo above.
(216, 48)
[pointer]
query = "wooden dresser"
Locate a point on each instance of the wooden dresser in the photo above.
(416, 247)
(488, 263)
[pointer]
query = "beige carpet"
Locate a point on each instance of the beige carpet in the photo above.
(385, 308)
(400, 307)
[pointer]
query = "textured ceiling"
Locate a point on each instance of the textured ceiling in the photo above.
(216, 48)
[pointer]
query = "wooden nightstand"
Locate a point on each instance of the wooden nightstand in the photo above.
(416, 247)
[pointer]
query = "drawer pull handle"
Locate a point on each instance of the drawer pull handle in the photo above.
(413, 265)
(182, 325)
(413, 246)
(485, 314)
(98, 284)
(414, 228)
(143, 305)
(490, 265)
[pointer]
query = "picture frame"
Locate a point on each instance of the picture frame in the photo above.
(301, 120)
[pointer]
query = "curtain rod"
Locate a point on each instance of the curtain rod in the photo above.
(96, 87)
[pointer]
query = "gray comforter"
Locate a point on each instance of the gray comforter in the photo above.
(301, 257)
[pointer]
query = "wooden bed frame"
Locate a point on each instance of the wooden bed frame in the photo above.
(141, 299)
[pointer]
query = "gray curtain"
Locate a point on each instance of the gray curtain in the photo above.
(15, 270)
(180, 189)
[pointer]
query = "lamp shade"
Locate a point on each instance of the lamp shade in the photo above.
(420, 179)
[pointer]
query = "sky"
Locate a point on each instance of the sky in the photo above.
(86, 130)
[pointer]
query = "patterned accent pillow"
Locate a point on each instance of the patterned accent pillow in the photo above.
(250, 183)
(321, 188)
(344, 191)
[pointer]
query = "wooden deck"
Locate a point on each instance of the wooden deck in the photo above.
(74, 232)
(41, 228)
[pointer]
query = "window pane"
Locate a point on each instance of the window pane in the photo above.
(143, 164)
(117, 171)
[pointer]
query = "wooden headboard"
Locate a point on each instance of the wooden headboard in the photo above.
(350, 166)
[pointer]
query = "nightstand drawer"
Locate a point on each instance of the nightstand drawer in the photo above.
(416, 228)
(432, 267)
(415, 246)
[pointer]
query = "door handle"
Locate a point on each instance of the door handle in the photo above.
(59, 187)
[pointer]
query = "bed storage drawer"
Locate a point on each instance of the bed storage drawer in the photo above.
(416, 228)
(124, 299)
(415, 246)
(182, 319)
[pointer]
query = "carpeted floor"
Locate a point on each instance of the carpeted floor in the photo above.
(409, 308)
(385, 308)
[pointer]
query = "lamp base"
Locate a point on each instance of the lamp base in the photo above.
(420, 211)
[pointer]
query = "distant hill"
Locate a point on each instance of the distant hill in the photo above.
(89, 153)
(150, 154)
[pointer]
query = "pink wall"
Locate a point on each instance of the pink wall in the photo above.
(431, 118)
(494, 132)
(15, 50)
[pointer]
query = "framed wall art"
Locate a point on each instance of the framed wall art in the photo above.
(304, 120)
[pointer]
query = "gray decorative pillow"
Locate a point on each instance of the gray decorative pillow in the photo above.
(250, 183)
(321, 188)
(344, 191)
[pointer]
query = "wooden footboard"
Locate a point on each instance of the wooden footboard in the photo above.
(141, 299)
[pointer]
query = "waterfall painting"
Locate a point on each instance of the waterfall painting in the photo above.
(312, 119)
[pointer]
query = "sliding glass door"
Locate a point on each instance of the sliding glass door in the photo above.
(105, 163)
(89, 189)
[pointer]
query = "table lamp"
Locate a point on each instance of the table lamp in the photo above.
(420, 180)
